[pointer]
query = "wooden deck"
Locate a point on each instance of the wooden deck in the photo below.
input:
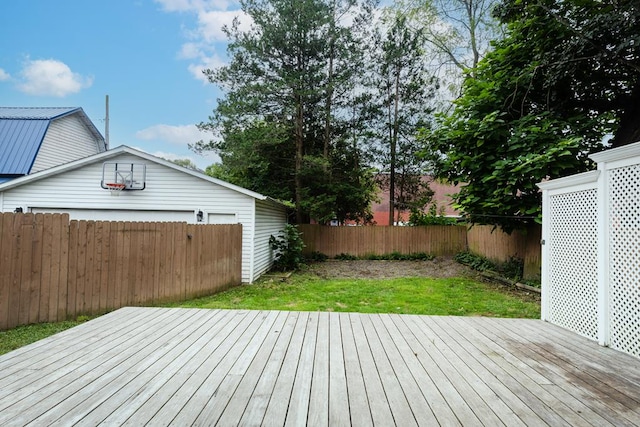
(156, 366)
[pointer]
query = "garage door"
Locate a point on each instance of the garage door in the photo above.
(122, 215)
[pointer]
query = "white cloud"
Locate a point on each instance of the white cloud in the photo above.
(178, 135)
(205, 36)
(210, 23)
(205, 60)
(206, 63)
(206, 33)
(193, 5)
(189, 51)
(4, 75)
(181, 135)
(50, 77)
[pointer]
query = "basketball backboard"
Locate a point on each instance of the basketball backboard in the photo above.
(132, 175)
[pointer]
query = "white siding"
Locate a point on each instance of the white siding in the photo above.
(270, 220)
(67, 139)
(167, 190)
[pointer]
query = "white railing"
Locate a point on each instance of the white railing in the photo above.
(591, 250)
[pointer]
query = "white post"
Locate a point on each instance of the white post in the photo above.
(544, 244)
(603, 255)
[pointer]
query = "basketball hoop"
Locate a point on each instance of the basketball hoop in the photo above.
(115, 188)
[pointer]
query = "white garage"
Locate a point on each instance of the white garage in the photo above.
(124, 184)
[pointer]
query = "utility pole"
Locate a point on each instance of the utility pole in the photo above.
(106, 122)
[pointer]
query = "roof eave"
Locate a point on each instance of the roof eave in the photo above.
(125, 149)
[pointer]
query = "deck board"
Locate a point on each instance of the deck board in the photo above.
(359, 410)
(155, 366)
(593, 384)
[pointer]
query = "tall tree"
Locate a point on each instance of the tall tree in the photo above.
(404, 87)
(288, 74)
(565, 75)
(457, 34)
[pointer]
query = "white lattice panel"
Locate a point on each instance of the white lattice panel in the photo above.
(573, 262)
(624, 259)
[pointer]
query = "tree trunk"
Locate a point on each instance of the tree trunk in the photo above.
(329, 99)
(299, 141)
(394, 146)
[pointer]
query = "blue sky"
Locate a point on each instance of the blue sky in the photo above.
(147, 55)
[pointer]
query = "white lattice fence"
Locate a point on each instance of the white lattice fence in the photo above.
(573, 262)
(624, 258)
(591, 256)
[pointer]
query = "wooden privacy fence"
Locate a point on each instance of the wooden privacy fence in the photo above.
(433, 239)
(52, 269)
(498, 246)
(381, 240)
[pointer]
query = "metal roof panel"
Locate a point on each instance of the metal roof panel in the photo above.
(35, 112)
(20, 141)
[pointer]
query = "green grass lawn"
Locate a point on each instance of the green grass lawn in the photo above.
(453, 296)
(23, 335)
(305, 292)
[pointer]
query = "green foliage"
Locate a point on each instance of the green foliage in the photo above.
(345, 257)
(474, 261)
(290, 124)
(584, 61)
(316, 256)
(512, 268)
(393, 256)
(287, 249)
(259, 156)
(432, 217)
(404, 88)
(186, 163)
(537, 105)
(397, 256)
(23, 335)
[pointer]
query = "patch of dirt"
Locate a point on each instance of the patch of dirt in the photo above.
(440, 267)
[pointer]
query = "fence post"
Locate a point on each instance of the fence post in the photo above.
(603, 256)
(544, 273)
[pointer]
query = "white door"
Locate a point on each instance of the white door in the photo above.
(221, 218)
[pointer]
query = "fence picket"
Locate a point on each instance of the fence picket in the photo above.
(6, 237)
(52, 268)
(25, 236)
(63, 260)
(35, 270)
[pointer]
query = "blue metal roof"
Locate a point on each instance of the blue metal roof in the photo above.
(47, 113)
(22, 131)
(20, 140)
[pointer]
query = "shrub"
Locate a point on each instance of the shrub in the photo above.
(431, 217)
(393, 256)
(512, 268)
(287, 249)
(474, 261)
(421, 256)
(346, 257)
(316, 256)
